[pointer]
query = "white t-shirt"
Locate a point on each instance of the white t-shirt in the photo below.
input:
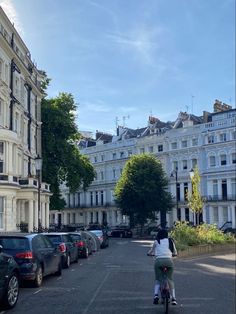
(161, 250)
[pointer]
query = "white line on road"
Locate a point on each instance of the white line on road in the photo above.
(96, 293)
(37, 291)
(2, 312)
(59, 278)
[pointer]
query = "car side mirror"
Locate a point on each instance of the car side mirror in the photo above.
(1, 249)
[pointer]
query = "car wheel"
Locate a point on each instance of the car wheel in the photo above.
(86, 253)
(12, 292)
(59, 270)
(77, 257)
(39, 277)
(67, 264)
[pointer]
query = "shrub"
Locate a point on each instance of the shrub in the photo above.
(185, 235)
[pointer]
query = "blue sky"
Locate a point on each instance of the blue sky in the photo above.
(132, 58)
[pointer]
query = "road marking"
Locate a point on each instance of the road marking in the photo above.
(2, 312)
(96, 293)
(37, 291)
(59, 278)
(72, 269)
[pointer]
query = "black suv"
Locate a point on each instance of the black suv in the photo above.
(9, 281)
(35, 255)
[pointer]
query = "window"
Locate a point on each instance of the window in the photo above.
(186, 214)
(233, 187)
(211, 139)
(121, 154)
(225, 214)
(1, 166)
(215, 189)
(102, 175)
(179, 214)
(1, 211)
(195, 141)
(194, 163)
(184, 144)
(78, 199)
(223, 161)
(233, 135)
(212, 161)
(185, 190)
(160, 148)
(185, 164)
(114, 173)
(174, 145)
(175, 165)
(1, 147)
(96, 198)
(91, 198)
(223, 137)
(1, 69)
(114, 156)
(234, 158)
(142, 150)
(102, 198)
(150, 149)
(102, 157)
(129, 153)
(215, 215)
(95, 159)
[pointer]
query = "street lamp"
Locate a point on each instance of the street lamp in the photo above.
(38, 166)
(175, 174)
(191, 174)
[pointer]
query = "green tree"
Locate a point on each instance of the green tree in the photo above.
(141, 190)
(62, 160)
(195, 200)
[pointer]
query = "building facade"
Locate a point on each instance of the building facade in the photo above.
(208, 142)
(20, 135)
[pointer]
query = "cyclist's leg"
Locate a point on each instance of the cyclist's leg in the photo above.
(158, 276)
(171, 282)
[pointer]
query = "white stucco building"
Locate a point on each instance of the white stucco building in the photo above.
(20, 134)
(208, 141)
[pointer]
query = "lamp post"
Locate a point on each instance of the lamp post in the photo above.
(38, 166)
(191, 174)
(175, 174)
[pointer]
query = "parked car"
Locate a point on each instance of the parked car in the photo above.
(9, 280)
(93, 239)
(102, 237)
(67, 247)
(35, 255)
(83, 243)
(121, 232)
(228, 228)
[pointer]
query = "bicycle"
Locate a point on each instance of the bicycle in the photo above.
(165, 289)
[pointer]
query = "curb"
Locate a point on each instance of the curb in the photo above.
(207, 249)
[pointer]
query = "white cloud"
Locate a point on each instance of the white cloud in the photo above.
(95, 107)
(12, 14)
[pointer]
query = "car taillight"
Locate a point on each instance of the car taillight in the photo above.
(101, 238)
(80, 243)
(25, 255)
(62, 247)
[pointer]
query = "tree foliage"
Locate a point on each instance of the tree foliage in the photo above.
(195, 200)
(62, 160)
(141, 190)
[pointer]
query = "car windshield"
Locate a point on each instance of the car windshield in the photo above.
(97, 232)
(14, 243)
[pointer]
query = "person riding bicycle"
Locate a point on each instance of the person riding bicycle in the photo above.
(163, 249)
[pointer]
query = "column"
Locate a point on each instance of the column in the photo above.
(36, 215)
(47, 215)
(233, 214)
(43, 214)
(31, 214)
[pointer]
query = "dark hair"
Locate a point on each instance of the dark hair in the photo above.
(162, 234)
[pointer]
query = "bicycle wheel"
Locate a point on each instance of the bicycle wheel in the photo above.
(166, 304)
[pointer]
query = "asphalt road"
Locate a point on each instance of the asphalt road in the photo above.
(119, 280)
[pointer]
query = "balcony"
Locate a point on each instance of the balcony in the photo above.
(220, 198)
